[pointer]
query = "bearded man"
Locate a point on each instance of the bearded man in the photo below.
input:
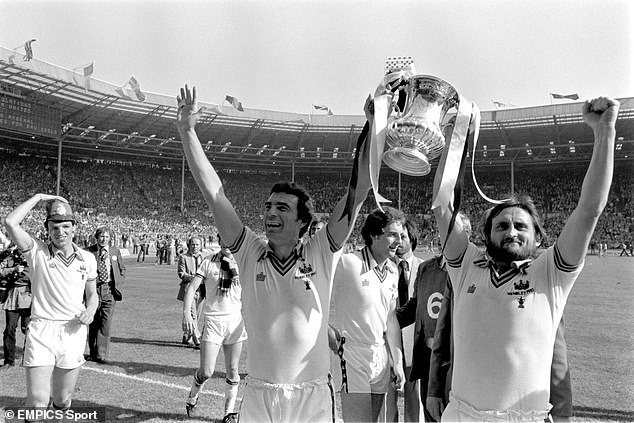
(508, 300)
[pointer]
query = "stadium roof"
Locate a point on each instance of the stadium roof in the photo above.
(97, 119)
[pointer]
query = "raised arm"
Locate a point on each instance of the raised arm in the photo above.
(226, 219)
(345, 213)
(13, 220)
(456, 242)
(599, 114)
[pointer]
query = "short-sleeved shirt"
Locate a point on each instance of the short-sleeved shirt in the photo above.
(216, 306)
(365, 293)
(58, 282)
(286, 306)
(504, 328)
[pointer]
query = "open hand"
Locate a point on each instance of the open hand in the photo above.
(188, 112)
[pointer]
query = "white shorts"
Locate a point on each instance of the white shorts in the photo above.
(460, 411)
(55, 343)
(312, 402)
(224, 332)
(367, 368)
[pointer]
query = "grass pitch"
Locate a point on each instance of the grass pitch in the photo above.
(150, 371)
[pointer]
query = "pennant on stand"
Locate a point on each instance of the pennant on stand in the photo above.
(565, 96)
(134, 84)
(234, 102)
(87, 71)
(28, 50)
(323, 108)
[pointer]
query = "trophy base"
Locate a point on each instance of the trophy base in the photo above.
(407, 160)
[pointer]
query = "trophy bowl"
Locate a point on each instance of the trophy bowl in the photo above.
(414, 136)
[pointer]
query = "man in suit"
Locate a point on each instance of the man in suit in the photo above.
(110, 275)
(408, 267)
(187, 266)
(422, 309)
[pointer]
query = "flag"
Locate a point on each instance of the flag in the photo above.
(234, 102)
(29, 51)
(88, 70)
(134, 84)
(567, 96)
(324, 108)
(500, 105)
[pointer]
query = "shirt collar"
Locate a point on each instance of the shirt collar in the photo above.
(268, 251)
(370, 263)
(53, 251)
(486, 261)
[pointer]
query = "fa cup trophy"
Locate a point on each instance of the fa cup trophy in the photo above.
(414, 136)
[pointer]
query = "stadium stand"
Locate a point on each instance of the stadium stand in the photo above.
(122, 163)
(138, 199)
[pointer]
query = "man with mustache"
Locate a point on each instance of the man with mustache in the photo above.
(508, 300)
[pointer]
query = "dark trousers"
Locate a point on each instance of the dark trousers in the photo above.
(424, 379)
(142, 252)
(8, 339)
(99, 329)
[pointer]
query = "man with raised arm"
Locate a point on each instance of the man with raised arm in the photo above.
(64, 302)
(286, 284)
(509, 300)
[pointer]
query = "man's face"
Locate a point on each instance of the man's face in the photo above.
(316, 228)
(512, 236)
(195, 245)
(406, 245)
(385, 246)
(281, 222)
(104, 239)
(61, 233)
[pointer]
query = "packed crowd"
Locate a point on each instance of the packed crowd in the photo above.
(144, 201)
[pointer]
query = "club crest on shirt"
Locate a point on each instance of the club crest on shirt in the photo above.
(260, 277)
(521, 300)
(471, 289)
(521, 288)
(305, 270)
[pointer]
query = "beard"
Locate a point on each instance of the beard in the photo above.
(507, 255)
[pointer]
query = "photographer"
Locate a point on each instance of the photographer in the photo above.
(14, 278)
